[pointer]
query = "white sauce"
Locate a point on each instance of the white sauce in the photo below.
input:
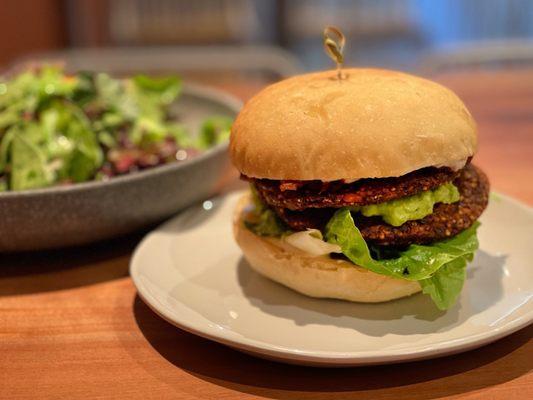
(310, 241)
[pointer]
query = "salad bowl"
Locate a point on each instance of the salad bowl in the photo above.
(82, 213)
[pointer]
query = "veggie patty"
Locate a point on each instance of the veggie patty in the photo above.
(446, 220)
(300, 195)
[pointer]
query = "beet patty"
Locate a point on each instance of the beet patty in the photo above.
(446, 220)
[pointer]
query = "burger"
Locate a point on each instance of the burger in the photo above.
(361, 186)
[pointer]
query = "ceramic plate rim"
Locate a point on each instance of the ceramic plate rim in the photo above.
(331, 357)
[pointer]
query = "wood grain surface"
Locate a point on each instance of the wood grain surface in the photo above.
(72, 326)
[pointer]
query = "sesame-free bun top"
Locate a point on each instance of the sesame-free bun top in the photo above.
(371, 124)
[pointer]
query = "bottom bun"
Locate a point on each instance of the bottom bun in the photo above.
(314, 276)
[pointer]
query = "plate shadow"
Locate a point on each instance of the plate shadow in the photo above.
(44, 271)
(497, 363)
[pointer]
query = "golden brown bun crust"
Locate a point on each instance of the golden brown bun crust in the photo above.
(373, 124)
(314, 276)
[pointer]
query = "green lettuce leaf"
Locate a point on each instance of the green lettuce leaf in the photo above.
(71, 147)
(29, 164)
(114, 96)
(397, 212)
(32, 89)
(140, 103)
(264, 221)
(446, 284)
(181, 135)
(5, 147)
(164, 90)
(152, 96)
(416, 263)
(214, 130)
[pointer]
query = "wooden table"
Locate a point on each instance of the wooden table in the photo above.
(72, 326)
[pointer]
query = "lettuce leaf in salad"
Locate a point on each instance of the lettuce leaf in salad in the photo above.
(72, 148)
(399, 211)
(152, 97)
(43, 134)
(113, 97)
(417, 263)
(163, 90)
(214, 130)
(60, 146)
(138, 104)
(28, 91)
(5, 147)
(181, 135)
(28, 161)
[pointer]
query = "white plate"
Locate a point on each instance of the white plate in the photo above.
(192, 274)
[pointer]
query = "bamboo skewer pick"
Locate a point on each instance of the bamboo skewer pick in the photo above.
(334, 42)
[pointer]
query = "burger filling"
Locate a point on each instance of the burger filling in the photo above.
(421, 226)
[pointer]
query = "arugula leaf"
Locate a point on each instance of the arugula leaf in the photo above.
(71, 146)
(28, 162)
(180, 134)
(146, 130)
(164, 90)
(153, 95)
(85, 90)
(214, 130)
(112, 96)
(5, 145)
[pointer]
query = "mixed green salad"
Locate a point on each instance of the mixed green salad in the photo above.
(61, 129)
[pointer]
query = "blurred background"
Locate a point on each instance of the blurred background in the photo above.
(413, 35)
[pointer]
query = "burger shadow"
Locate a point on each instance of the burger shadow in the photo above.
(418, 311)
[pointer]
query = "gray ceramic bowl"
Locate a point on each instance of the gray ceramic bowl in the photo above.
(88, 212)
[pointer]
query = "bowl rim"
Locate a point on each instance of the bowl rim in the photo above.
(192, 89)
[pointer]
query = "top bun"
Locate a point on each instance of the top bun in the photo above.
(371, 124)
